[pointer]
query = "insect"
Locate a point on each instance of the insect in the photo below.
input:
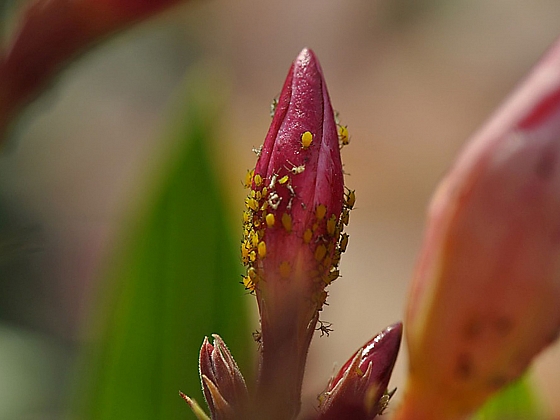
(273, 106)
(296, 169)
(350, 199)
(274, 200)
(258, 151)
(306, 139)
(343, 242)
(384, 400)
(343, 139)
(325, 328)
(257, 336)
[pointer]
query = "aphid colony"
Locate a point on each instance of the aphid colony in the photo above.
(269, 206)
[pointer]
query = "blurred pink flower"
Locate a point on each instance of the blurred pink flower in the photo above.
(485, 297)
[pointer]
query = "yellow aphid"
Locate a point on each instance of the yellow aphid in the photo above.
(345, 217)
(284, 179)
(249, 178)
(264, 191)
(252, 273)
(320, 211)
(252, 256)
(350, 199)
(246, 217)
(336, 258)
(262, 249)
(285, 269)
(320, 252)
(287, 222)
(245, 252)
(307, 235)
(332, 276)
(343, 138)
(331, 225)
(252, 203)
(255, 239)
(306, 139)
(270, 220)
(343, 242)
(248, 283)
(258, 180)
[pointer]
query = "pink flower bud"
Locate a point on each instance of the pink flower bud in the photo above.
(292, 229)
(486, 291)
(222, 382)
(356, 391)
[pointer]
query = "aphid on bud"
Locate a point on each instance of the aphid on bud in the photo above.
(252, 203)
(274, 200)
(296, 169)
(345, 217)
(258, 180)
(384, 400)
(307, 235)
(343, 139)
(324, 327)
(320, 211)
(245, 249)
(320, 252)
(257, 336)
(261, 248)
(343, 244)
(270, 220)
(285, 269)
(272, 181)
(306, 139)
(350, 199)
(284, 179)
(248, 284)
(331, 225)
(273, 106)
(249, 178)
(332, 276)
(287, 222)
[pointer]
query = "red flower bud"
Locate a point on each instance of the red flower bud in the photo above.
(485, 294)
(357, 391)
(292, 229)
(222, 382)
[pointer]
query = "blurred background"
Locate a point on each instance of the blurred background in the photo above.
(412, 79)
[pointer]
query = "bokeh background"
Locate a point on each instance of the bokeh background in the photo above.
(412, 79)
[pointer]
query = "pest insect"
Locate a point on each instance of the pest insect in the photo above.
(384, 400)
(296, 169)
(325, 328)
(343, 139)
(306, 139)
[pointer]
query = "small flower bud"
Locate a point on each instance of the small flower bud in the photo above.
(485, 293)
(356, 391)
(222, 382)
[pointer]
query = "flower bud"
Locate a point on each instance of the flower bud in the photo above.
(356, 391)
(294, 217)
(222, 382)
(485, 293)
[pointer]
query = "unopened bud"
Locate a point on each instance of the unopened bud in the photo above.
(357, 391)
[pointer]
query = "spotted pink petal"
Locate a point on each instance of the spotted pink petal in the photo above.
(485, 295)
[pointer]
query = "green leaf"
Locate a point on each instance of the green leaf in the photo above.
(515, 402)
(175, 280)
